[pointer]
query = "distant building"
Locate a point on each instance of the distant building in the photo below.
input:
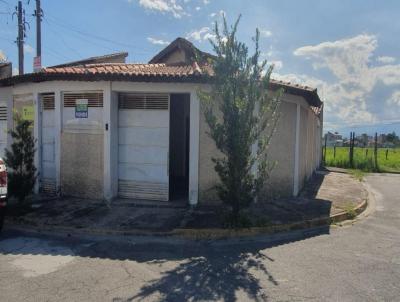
(5, 70)
(334, 139)
(362, 140)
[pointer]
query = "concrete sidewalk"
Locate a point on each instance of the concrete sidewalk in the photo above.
(327, 194)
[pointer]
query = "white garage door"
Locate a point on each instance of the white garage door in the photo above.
(143, 144)
(48, 164)
(3, 129)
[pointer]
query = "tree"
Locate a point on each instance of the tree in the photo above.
(242, 113)
(20, 160)
(392, 137)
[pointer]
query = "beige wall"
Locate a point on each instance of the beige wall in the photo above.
(208, 178)
(178, 56)
(281, 151)
(82, 165)
(309, 157)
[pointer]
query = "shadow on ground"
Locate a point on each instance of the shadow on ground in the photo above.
(195, 270)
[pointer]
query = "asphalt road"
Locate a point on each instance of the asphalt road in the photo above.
(359, 262)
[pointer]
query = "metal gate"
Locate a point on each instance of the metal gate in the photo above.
(143, 146)
(48, 163)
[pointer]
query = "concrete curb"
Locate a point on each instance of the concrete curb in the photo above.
(199, 234)
(306, 224)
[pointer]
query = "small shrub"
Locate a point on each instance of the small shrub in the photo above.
(20, 160)
(350, 211)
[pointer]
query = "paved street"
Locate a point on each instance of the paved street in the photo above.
(352, 263)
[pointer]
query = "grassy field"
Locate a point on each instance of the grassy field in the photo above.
(364, 160)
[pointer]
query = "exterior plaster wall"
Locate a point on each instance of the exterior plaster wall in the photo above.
(303, 147)
(82, 165)
(281, 151)
(310, 150)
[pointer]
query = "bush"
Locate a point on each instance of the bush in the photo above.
(20, 160)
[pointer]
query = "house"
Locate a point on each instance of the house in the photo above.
(108, 129)
(333, 139)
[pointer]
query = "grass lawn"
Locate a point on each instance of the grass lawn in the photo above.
(364, 159)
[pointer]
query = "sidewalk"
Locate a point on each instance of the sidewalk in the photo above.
(328, 193)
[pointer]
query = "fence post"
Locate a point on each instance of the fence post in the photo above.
(326, 136)
(387, 151)
(351, 136)
(351, 153)
(376, 152)
(334, 151)
(366, 152)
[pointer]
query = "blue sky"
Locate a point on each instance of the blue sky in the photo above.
(349, 50)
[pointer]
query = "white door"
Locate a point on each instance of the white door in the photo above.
(143, 146)
(3, 129)
(48, 164)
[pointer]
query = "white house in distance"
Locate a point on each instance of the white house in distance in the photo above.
(333, 139)
(108, 129)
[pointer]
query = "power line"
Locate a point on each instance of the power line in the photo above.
(61, 38)
(83, 38)
(93, 36)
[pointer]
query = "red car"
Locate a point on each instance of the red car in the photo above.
(3, 192)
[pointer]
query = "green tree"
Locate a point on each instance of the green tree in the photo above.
(242, 113)
(392, 137)
(20, 160)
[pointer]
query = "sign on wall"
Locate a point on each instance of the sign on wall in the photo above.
(28, 113)
(81, 108)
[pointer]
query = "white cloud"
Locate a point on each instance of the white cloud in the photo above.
(386, 59)
(163, 6)
(206, 2)
(197, 8)
(351, 97)
(395, 99)
(157, 41)
(345, 58)
(277, 65)
(221, 13)
(265, 33)
(28, 48)
(202, 34)
(3, 57)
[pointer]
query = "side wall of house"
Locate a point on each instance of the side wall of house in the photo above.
(310, 144)
(282, 151)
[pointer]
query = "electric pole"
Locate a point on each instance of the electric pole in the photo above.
(20, 39)
(38, 14)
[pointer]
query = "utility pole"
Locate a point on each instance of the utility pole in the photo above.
(20, 39)
(38, 14)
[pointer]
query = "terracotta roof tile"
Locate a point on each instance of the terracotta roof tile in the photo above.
(131, 69)
(150, 72)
